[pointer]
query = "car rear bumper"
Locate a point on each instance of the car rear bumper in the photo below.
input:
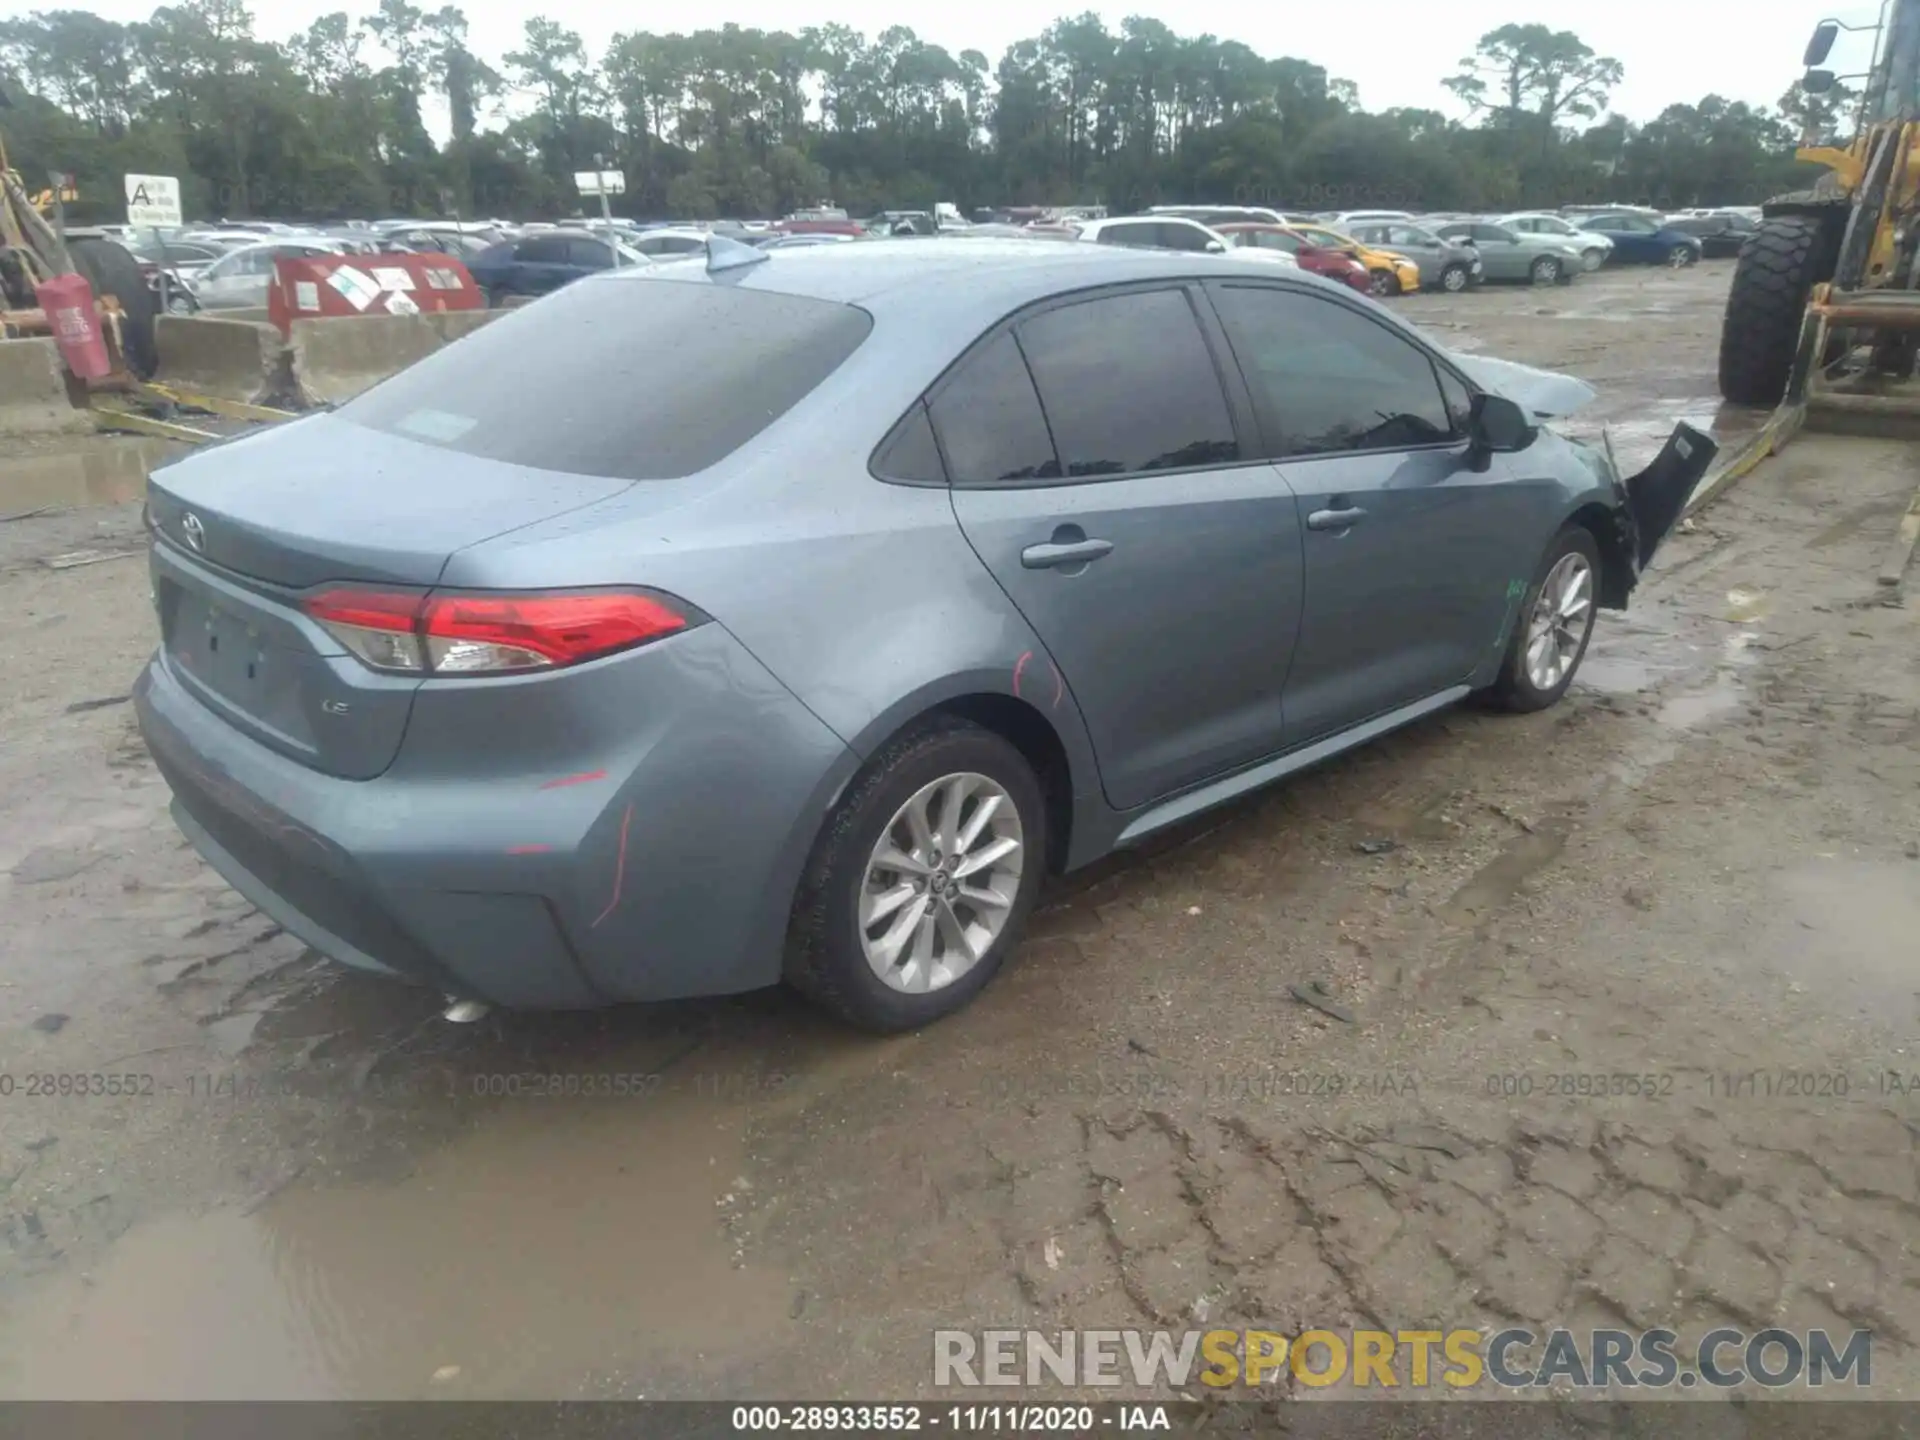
(642, 843)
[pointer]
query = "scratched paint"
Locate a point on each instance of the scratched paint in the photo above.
(1059, 685)
(585, 777)
(1516, 591)
(1018, 667)
(619, 867)
(528, 849)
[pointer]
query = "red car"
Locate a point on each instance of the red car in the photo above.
(1315, 259)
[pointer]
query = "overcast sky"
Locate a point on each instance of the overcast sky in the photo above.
(1396, 51)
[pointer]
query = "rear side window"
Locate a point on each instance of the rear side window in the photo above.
(590, 254)
(1183, 237)
(563, 385)
(1327, 379)
(989, 422)
(1144, 234)
(543, 251)
(910, 452)
(1128, 385)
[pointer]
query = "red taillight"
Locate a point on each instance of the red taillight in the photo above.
(452, 633)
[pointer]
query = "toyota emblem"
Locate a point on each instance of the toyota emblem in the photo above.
(195, 532)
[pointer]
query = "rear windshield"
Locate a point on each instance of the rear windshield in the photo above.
(631, 379)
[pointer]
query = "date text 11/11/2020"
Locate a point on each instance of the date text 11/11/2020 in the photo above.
(1012, 1419)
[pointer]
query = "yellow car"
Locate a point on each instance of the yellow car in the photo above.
(1391, 274)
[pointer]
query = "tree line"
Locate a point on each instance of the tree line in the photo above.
(745, 122)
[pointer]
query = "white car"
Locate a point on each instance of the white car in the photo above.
(1594, 248)
(1172, 232)
(668, 241)
(1360, 217)
(240, 278)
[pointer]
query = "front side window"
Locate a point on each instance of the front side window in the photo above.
(1128, 385)
(1183, 237)
(1494, 235)
(988, 419)
(542, 251)
(1328, 379)
(1147, 235)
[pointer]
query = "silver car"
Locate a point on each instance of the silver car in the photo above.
(241, 278)
(1445, 264)
(1595, 248)
(1515, 255)
(804, 639)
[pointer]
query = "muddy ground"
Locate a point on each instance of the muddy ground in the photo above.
(1700, 868)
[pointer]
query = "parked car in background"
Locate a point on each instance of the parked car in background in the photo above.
(182, 260)
(1388, 272)
(1720, 235)
(241, 278)
(1158, 232)
(513, 712)
(1217, 215)
(1445, 264)
(1344, 219)
(1640, 238)
(798, 242)
(1595, 248)
(461, 242)
(1247, 238)
(667, 241)
(542, 262)
(1516, 255)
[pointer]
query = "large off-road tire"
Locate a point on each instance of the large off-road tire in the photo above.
(110, 269)
(1784, 259)
(907, 849)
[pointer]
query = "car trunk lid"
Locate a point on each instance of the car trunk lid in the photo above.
(244, 530)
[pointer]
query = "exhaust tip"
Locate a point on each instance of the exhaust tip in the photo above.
(465, 1012)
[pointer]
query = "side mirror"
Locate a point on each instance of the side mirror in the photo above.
(1498, 426)
(1821, 45)
(1214, 247)
(1818, 82)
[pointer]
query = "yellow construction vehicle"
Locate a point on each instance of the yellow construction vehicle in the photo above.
(1825, 304)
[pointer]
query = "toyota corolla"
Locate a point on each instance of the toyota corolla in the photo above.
(802, 640)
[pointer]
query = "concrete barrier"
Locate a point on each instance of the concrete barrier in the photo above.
(33, 390)
(242, 360)
(334, 358)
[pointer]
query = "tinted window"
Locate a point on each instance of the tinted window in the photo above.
(1145, 233)
(1269, 240)
(1128, 385)
(1493, 234)
(989, 422)
(591, 254)
(1327, 378)
(561, 385)
(909, 453)
(1183, 237)
(542, 250)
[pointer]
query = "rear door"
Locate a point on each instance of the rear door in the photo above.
(1501, 254)
(541, 264)
(1101, 468)
(1409, 549)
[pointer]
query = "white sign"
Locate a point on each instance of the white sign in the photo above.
(153, 200)
(601, 182)
(392, 277)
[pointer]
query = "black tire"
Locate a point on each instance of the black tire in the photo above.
(1781, 261)
(112, 271)
(497, 297)
(1455, 278)
(825, 959)
(1382, 284)
(1545, 271)
(1514, 689)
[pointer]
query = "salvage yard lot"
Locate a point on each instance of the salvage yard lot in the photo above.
(1699, 874)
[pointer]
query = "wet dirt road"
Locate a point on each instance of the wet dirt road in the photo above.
(1699, 871)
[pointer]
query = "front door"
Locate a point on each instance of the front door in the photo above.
(1407, 570)
(1156, 558)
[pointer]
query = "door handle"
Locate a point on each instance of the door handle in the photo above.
(1336, 519)
(1058, 553)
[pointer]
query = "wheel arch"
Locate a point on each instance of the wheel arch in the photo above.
(1035, 713)
(1617, 571)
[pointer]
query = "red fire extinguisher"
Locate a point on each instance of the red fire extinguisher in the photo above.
(67, 301)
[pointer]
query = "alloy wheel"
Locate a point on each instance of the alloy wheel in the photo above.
(1455, 280)
(1561, 617)
(941, 883)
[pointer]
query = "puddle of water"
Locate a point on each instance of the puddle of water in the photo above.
(1631, 654)
(559, 1241)
(1722, 695)
(92, 470)
(1850, 934)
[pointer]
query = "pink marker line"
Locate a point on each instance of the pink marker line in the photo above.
(620, 867)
